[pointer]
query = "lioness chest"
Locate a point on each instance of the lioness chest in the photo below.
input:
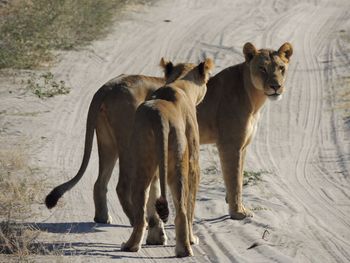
(251, 128)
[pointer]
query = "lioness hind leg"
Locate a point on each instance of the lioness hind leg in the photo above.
(156, 233)
(108, 155)
(183, 247)
(190, 212)
(179, 190)
(193, 186)
(139, 200)
(124, 190)
(193, 182)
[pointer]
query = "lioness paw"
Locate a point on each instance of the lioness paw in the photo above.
(194, 240)
(156, 236)
(127, 248)
(241, 213)
(103, 220)
(185, 251)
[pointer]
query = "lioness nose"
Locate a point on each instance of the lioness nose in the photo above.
(275, 87)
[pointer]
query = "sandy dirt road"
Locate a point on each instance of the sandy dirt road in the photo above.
(302, 140)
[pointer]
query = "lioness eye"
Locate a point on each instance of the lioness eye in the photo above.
(282, 69)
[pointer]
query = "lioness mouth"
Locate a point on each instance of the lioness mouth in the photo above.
(273, 95)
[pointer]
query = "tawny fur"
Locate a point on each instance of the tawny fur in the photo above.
(227, 117)
(165, 136)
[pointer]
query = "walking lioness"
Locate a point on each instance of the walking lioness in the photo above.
(227, 117)
(165, 135)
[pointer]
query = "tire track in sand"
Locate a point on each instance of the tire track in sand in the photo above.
(299, 214)
(315, 36)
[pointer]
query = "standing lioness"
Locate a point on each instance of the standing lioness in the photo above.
(165, 135)
(227, 117)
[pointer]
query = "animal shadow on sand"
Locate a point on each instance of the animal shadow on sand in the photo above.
(74, 227)
(98, 249)
(213, 220)
(87, 248)
(108, 250)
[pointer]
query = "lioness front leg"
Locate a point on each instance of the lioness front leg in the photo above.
(156, 233)
(232, 162)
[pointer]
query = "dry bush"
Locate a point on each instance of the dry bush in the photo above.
(18, 191)
(19, 239)
(16, 196)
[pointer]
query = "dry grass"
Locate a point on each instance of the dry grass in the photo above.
(18, 192)
(19, 240)
(31, 29)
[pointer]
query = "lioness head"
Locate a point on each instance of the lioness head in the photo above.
(198, 74)
(268, 68)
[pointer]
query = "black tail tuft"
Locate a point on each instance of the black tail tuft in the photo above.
(52, 198)
(162, 209)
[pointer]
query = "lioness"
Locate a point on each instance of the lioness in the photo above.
(165, 135)
(227, 116)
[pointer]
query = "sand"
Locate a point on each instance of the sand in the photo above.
(303, 142)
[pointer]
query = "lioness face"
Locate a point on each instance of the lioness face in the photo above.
(198, 74)
(268, 68)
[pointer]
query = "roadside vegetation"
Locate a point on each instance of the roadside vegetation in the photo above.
(252, 178)
(18, 192)
(31, 33)
(45, 85)
(31, 30)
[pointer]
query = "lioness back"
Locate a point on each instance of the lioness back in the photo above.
(165, 136)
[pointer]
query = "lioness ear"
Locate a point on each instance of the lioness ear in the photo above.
(249, 51)
(206, 66)
(167, 66)
(285, 51)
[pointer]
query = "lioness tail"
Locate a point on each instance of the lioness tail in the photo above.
(53, 197)
(162, 203)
